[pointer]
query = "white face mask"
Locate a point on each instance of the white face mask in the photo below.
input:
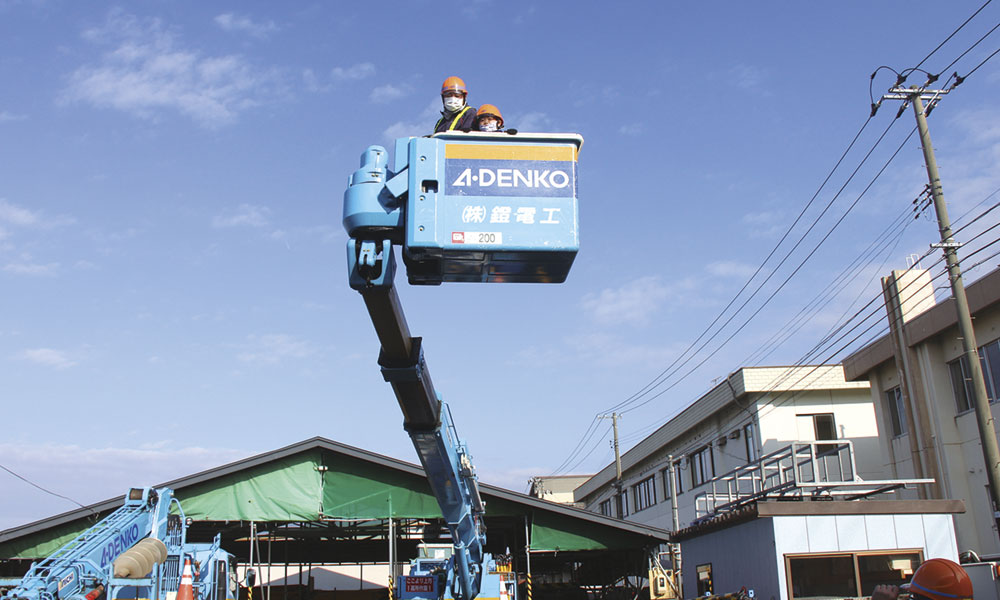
(452, 104)
(488, 126)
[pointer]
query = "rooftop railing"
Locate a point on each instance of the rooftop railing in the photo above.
(804, 470)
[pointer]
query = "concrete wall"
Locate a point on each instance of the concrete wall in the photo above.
(784, 420)
(955, 435)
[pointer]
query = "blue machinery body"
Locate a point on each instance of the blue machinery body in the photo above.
(138, 551)
(463, 207)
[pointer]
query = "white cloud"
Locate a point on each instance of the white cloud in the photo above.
(635, 302)
(631, 129)
(273, 348)
(610, 351)
(47, 357)
(147, 72)
(16, 215)
(29, 268)
(421, 125)
(353, 73)
(474, 9)
(389, 92)
(980, 125)
(246, 215)
(748, 77)
(730, 268)
(532, 121)
(243, 23)
(89, 475)
(311, 82)
(6, 117)
(764, 224)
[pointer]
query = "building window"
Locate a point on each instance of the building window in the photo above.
(750, 442)
(848, 575)
(678, 481)
(605, 508)
(897, 411)
(644, 494)
(961, 383)
(989, 356)
(665, 476)
(825, 426)
(961, 378)
(702, 466)
(624, 502)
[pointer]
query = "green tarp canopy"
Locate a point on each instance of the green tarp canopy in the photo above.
(319, 483)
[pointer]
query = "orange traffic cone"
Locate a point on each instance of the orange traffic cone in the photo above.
(186, 590)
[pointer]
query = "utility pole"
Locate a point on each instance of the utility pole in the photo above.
(984, 417)
(675, 549)
(619, 512)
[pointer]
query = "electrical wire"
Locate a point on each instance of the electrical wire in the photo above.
(47, 491)
(969, 49)
(777, 402)
(966, 22)
(787, 279)
(670, 370)
(969, 74)
(784, 236)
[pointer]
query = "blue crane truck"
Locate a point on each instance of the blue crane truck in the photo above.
(137, 552)
(472, 207)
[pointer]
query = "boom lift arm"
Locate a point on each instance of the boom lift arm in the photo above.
(438, 189)
(427, 421)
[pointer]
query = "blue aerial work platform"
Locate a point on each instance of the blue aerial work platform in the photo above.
(472, 207)
(479, 207)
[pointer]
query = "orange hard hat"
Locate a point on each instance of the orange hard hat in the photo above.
(489, 109)
(454, 84)
(941, 579)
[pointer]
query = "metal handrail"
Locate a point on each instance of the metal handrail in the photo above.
(821, 468)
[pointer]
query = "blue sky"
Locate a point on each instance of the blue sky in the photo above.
(173, 289)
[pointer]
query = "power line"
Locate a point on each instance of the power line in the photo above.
(47, 491)
(654, 382)
(673, 368)
(828, 340)
(966, 22)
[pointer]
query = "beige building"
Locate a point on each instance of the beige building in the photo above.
(754, 412)
(557, 488)
(918, 379)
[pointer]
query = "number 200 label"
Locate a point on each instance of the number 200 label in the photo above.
(488, 238)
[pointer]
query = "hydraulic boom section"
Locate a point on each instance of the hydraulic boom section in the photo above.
(462, 207)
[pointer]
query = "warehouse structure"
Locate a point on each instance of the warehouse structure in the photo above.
(320, 507)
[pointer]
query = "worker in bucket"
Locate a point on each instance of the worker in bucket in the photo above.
(457, 114)
(936, 579)
(488, 118)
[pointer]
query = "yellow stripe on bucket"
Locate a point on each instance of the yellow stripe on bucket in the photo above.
(509, 152)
